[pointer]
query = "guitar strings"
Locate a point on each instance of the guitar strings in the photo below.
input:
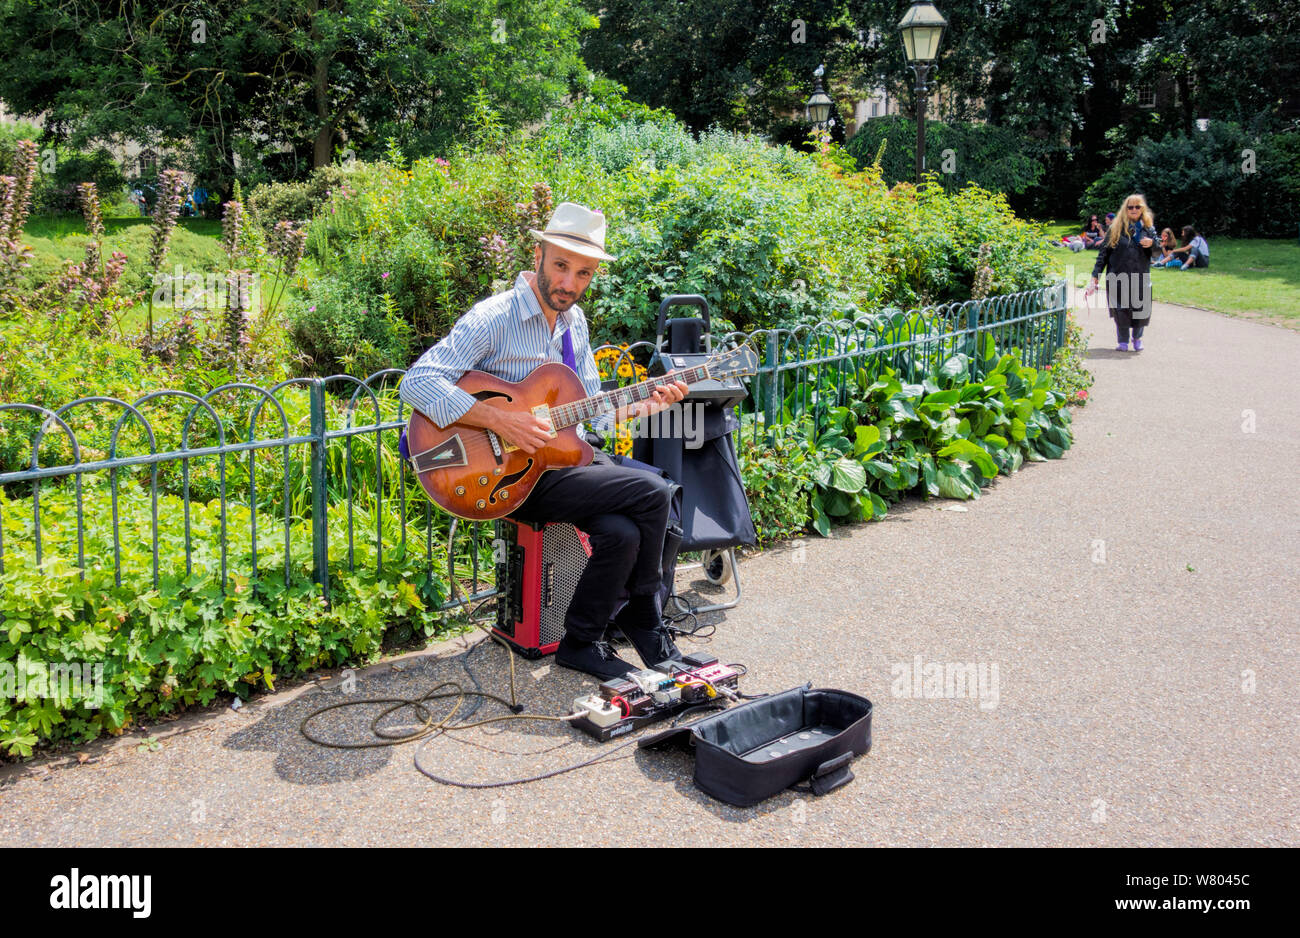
(478, 444)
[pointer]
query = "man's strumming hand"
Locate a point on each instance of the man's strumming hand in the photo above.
(520, 428)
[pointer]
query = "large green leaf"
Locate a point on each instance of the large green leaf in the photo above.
(820, 522)
(848, 475)
(872, 505)
(867, 441)
(971, 453)
(942, 399)
(1049, 449)
(928, 474)
(955, 367)
(839, 504)
(955, 482)
(900, 408)
(882, 469)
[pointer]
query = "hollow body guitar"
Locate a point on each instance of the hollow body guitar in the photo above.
(475, 474)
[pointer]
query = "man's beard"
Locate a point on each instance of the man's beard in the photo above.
(553, 297)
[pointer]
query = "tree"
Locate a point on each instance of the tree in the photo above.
(739, 64)
(1233, 60)
(321, 76)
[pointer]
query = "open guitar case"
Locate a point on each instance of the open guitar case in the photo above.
(750, 752)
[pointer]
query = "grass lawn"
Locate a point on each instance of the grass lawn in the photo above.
(1256, 278)
(195, 248)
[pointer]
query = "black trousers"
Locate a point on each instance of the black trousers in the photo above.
(625, 513)
(1128, 293)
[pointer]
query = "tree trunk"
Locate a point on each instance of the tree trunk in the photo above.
(323, 145)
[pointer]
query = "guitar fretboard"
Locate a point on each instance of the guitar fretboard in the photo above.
(566, 415)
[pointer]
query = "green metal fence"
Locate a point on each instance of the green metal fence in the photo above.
(310, 474)
(808, 361)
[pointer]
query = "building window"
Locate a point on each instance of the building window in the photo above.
(148, 162)
(1146, 96)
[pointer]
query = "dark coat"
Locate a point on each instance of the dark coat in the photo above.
(1128, 272)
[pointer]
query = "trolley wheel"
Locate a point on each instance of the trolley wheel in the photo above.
(717, 567)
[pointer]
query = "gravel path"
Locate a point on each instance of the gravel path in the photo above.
(1131, 606)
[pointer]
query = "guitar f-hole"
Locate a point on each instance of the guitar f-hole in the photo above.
(510, 480)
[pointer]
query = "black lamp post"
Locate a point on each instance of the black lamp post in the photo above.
(922, 27)
(818, 108)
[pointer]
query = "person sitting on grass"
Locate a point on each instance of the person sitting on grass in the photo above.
(1194, 252)
(1167, 244)
(1093, 234)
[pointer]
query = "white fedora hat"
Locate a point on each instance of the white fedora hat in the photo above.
(575, 228)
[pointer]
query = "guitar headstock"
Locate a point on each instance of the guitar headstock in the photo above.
(740, 361)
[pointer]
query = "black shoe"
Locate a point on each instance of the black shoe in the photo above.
(653, 645)
(594, 658)
(641, 621)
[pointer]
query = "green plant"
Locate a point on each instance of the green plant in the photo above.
(994, 158)
(166, 647)
(948, 434)
(1218, 180)
(777, 483)
(270, 203)
(1070, 377)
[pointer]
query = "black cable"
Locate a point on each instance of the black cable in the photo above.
(695, 630)
(431, 729)
(713, 705)
(526, 779)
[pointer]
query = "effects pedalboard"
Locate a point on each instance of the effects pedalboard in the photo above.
(638, 698)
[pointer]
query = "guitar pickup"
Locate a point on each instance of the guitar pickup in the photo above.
(543, 411)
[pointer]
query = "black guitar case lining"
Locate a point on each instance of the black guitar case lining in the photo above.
(755, 750)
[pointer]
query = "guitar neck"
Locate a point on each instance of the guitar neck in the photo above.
(567, 415)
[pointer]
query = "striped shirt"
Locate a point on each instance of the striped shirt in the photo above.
(507, 336)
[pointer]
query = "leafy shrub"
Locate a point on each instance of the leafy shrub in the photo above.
(992, 158)
(1210, 181)
(271, 203)
(769, 235)
(1070, 376)
(777, 484)
(56, 192)
(946, 436)
(182, 643)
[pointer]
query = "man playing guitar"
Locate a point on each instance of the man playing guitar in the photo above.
(624, 511)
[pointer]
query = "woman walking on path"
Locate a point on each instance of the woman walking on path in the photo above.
(1125, 255)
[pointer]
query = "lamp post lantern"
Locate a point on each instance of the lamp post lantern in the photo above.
(922, 27)
(817, 109)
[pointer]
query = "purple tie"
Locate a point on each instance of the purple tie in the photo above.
(566, 347)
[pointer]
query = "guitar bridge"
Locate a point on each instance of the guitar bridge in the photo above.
(495, 441)
(541, 410)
